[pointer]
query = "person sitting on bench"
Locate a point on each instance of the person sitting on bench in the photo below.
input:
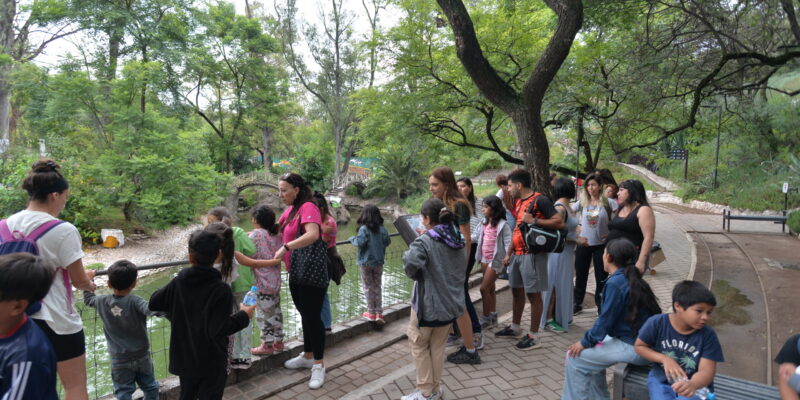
(788, 377)
(685, 351)
(627, 302)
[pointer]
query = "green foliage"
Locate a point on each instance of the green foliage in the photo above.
(14, 165)
(314, 160)
(398, 176)
(414, 203)
(486, 161)
(793, 221)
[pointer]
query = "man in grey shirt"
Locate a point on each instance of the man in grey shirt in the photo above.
(124, 319)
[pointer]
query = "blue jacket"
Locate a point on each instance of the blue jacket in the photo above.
(612, 321)
(371, 246)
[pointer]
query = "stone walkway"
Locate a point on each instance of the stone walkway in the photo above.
(505, 372)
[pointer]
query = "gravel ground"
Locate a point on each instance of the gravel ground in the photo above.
(162, 246)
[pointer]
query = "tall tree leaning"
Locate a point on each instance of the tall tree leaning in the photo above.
(524, 107)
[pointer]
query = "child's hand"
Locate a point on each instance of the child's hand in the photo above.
(672, 370)
(91, 273)
(250, 310)
(684, 388)
(785, 371)
(575, 349)
(506, 259)
(582, 241)
(279, 254)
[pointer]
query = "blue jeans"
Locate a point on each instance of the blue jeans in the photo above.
(585, 375)
(326, 315)
(126, 374)
(663, 391)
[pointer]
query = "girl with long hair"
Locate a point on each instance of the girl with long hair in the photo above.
(241, 283)
(436, 261)
(371, 240)
(627, 303)
(442, 184)
(329, 229)
(494, 240)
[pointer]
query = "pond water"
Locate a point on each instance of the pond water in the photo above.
(346, 303)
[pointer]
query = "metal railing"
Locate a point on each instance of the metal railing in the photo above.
(346, 303)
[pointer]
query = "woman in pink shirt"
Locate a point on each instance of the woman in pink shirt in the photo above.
(303, 213)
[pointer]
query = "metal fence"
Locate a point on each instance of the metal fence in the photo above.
(346, 303)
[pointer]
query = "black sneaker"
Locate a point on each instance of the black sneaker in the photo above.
(462, 356)
(529, 343)
(509, 333)
(577, 309)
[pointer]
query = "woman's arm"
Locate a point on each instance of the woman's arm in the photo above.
(467, 233)
(80, 277)
(310, 236)
(647, 222)
(253, 263)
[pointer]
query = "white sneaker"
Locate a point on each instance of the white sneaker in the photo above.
(438, 395)
(317, 377)
(417, 395)
(298, 362)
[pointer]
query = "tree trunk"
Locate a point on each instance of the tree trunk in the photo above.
(266, 136)
(523, 106)
(5, 108)
(114, 40)
(535, 151)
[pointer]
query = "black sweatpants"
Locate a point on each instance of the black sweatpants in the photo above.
(583, 259)
(205, 388)
(308, 301)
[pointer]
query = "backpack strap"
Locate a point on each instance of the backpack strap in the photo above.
(44, 228)
(5, 234)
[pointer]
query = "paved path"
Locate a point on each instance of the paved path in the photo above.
(505, 373)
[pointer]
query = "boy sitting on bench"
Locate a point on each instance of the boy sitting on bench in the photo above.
(685, 351)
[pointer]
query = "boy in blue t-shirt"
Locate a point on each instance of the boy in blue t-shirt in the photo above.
(685, 351)
(27, 360)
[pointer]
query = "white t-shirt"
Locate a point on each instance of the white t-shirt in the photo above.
(61, 245)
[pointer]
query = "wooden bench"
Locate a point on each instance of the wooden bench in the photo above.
(727, 217)
(630, 382)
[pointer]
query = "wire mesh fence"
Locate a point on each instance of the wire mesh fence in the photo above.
(347, 302)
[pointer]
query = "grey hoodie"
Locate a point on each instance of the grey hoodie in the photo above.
(438, 271)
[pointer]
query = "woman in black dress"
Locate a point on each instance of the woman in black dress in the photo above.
(634, 220)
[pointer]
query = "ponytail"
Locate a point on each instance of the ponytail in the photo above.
(640, 296)
(227, 246)
(437, 213)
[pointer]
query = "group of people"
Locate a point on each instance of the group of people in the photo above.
(611, 226)
(459, 232)
(41, 332)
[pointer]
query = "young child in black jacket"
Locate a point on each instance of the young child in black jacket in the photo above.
(198, 303)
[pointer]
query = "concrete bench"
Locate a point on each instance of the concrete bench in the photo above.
(727, 217)
(630, 382)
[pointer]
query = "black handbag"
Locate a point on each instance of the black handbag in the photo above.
(309, 265)
(541, 240)
(336, 268)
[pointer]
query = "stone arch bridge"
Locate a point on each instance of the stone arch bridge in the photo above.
(241, 182)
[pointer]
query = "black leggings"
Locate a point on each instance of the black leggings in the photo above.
(308, 301)
(473, 315)
(583, 258)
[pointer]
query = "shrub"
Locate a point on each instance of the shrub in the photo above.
(794, 221)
